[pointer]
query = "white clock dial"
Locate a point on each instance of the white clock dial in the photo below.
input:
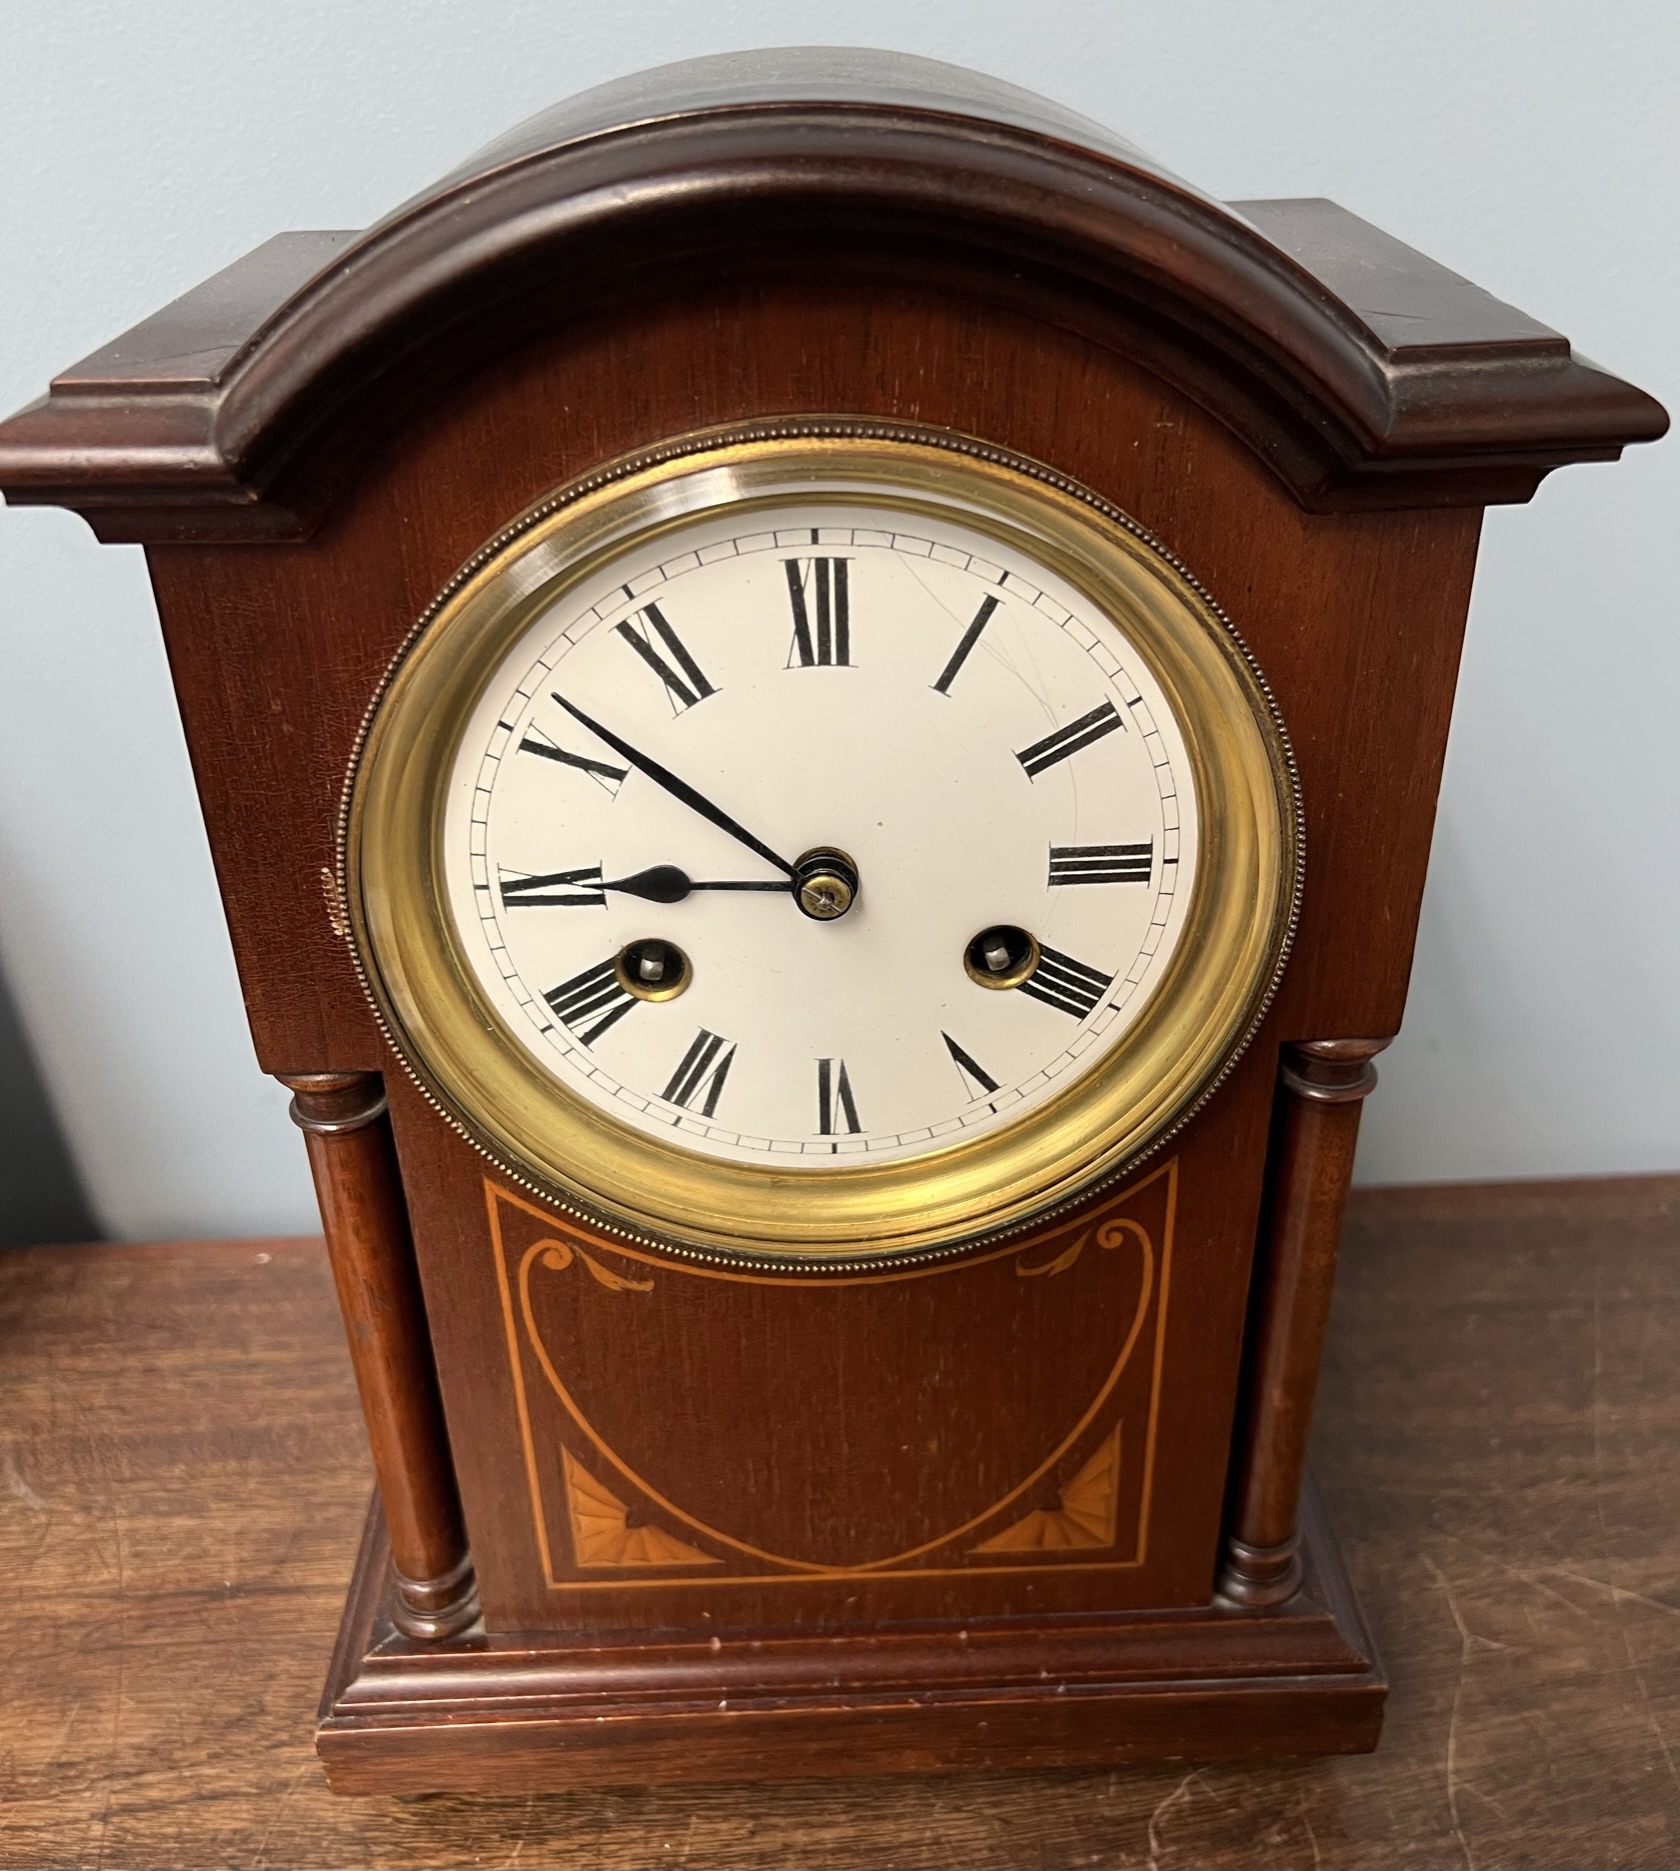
(643, 774)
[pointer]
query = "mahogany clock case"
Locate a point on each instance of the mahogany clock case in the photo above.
(963, 1514)
(508, 435)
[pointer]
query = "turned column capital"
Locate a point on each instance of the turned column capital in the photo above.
(332, 1103)
(1330, 1071)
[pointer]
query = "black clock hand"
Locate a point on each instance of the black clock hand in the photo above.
(678, 789)
(664, 883)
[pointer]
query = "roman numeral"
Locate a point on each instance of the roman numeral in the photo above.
(701, 1071)
(825, 640)
(1102, 864)
(685, 684)
(579, 889)
(1060, 981)
(611, 777)
(972, 1074)
(970, 637)
(835, 1106)
(590, 1002)
(1068, 741)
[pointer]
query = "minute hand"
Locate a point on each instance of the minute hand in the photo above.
(678, 789)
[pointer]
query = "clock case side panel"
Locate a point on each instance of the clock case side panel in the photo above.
(274, 657)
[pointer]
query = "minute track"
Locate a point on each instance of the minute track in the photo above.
(895, 763)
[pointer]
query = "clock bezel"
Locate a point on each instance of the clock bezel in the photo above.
(1195, 1024)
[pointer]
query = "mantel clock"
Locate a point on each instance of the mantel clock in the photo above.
(818, 694)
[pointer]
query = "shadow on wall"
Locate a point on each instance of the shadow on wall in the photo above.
(41, 1196)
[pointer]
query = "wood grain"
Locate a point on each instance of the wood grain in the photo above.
(527, 1713)
(685, 1367)
(365, 1221)
(1321, 1085)
(185, 1480)
(1358, 370)
(1355, 617)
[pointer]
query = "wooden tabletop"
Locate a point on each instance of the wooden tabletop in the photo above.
(184, 1478)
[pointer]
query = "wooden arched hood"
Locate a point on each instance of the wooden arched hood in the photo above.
(1364, 374)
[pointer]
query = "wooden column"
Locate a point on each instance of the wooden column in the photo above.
(353, 1159)
(1321, 1085)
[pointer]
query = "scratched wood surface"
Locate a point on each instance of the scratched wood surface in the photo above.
(182, 1478)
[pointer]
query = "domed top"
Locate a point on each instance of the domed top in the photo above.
(1361, 373)
(782, 77)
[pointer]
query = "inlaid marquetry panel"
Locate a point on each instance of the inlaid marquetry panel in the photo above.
(771, 1458)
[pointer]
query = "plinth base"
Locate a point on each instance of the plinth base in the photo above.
(503, 1714)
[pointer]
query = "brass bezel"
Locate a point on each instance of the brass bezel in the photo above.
(548, 1139)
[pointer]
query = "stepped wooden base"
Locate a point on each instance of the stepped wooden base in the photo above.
(504, 1715)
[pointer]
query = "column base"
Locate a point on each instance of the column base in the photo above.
(1256, 1577)
(432, 1609)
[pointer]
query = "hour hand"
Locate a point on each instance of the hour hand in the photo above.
(664, 883)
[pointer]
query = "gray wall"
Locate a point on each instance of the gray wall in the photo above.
(1533, 146)
(41, 1194)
